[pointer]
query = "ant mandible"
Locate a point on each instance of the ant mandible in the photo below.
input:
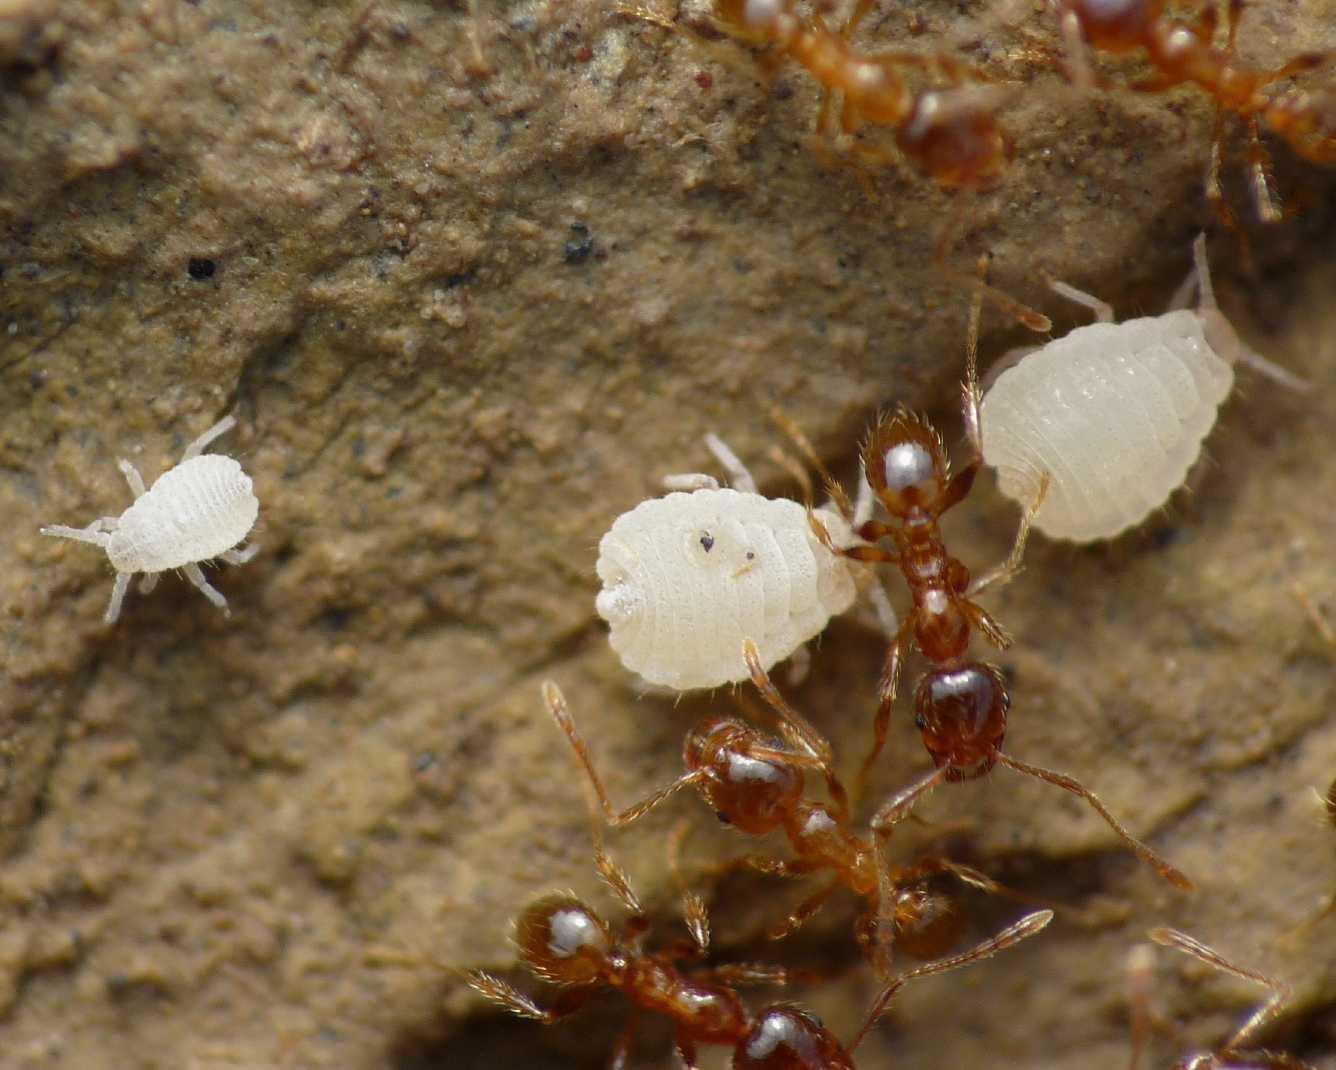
(1182, 52)
(755, 784)
(564, 941)
(949, 134)
(960, 705)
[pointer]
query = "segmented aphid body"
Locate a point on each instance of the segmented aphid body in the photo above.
(193, 512)
(687, 577)
(1115, 413)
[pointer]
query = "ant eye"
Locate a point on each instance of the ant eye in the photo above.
(723, 817)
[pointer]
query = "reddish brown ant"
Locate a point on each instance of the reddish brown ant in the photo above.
(949, 134)
(756, 785)
(1182, 52)
(960, 705)
(563, 941)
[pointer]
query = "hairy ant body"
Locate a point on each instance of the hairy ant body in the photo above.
(564, 941)
(960, 705)
(755, 784)
(1182, 53)
(949, 134)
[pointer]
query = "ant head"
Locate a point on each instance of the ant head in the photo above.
(927, 923)
(562, 940)
(962, 714)
(1115, 25)
(750, 793)
(906, 463)
(954, 138)
(786, 1038)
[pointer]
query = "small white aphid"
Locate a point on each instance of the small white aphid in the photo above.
(1114, 413)
(196, 511)
(689, 576)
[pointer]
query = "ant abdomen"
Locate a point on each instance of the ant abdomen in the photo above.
(785, 1038)
(962, 713)
(1115, 25)
(563, 940)
(753, 792)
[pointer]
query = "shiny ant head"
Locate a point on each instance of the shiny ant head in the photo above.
(786, 1038)
(953, 137)
(906, 463)
(962, 714)
(1115, 25)
(562, 940)
(751, 794)
(926, 923)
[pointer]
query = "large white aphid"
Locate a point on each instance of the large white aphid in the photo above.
(1114, 413)
(689, 576)
(196, 511)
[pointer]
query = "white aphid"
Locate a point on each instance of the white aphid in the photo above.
(1114, 413)
(196, 511)
(689, 576)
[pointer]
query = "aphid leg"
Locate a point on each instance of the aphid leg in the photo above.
(132, 477)
(220, 428)
(865, 502)
(1004, 572)
(98, 532)
(887, 686)
(241, 554)
(1028, 926)
(800, 665)
(740, 478)
(689, 481)
(1280, 992)
(887, 619)
(1316, 617)
(118, 590)
(556, 705)
(1220, 332)
(1102, 309)
(1169, 872)
(195, 576)
(149, 582)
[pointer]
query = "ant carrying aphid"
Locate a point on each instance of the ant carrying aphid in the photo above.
(949, 134)
(564, 941)
(1182, 52)
(755, 784)
(960, 705)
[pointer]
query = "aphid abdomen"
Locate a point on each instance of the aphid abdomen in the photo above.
(687, 577)
(193, 512)
(1115, 413)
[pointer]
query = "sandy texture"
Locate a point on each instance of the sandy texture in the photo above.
(472, 284)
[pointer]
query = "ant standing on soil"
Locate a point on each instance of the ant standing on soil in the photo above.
(563, 941)
(756, 785)
(960, 705)
(1181, 52)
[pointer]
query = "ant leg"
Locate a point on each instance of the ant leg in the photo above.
(797, 730)
(195, 576)
(1078, 56)
(693, 906)
(946, 240)
(1170, 873)
(804, 910)
(686, 1051)
(220, 428)
(887, 687)
(837, 493)
(1280, 992)
(556, 706)
(980, 618)
(1004, 572)
(897, 807)
(505, 994)
(118, 590)
(1260, 178)
(132, 477)
(621, 1051)
(1028, 926)
(739, 476)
